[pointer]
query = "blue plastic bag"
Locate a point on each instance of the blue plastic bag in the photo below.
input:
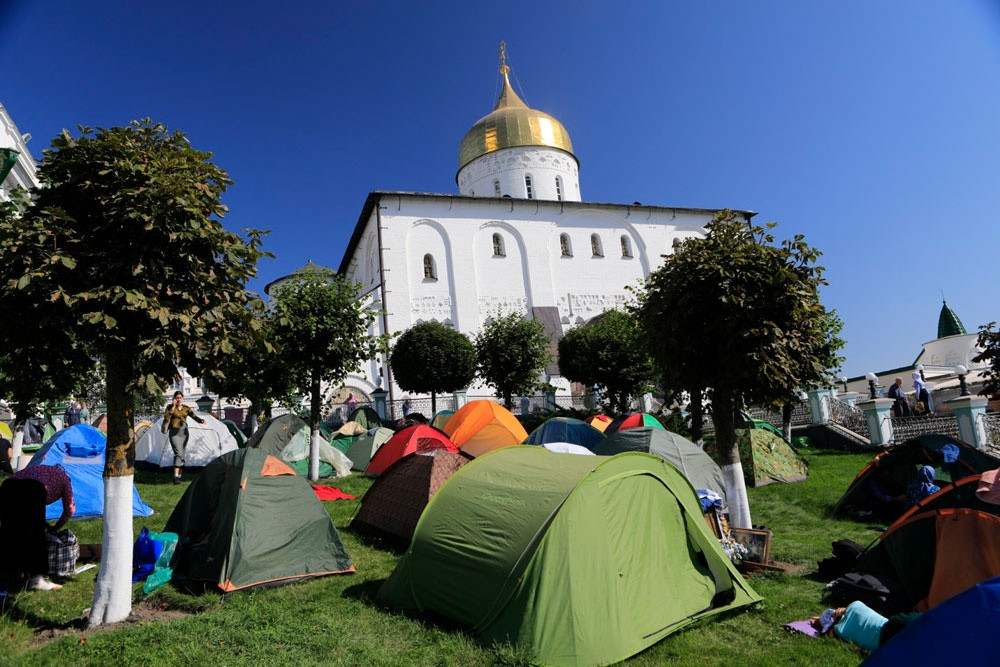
(144, 554)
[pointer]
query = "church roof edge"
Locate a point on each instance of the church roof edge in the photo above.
(375, 195)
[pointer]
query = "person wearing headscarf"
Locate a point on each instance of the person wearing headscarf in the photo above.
(921, 487)
(921, 395)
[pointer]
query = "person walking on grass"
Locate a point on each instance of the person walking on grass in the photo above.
(175, 426)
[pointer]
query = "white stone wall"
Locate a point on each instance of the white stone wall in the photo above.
(473, 281)
(23, 173)
(509, 166)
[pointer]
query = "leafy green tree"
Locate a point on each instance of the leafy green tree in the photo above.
(737, 315)
(122, 254)
(255, 372)
(322, 328)
(430, 358)
(989, 341)
(608, 352)
(511, 352)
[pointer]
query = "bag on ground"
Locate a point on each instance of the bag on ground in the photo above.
(64, 550)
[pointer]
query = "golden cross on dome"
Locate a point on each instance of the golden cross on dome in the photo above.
(503, 58)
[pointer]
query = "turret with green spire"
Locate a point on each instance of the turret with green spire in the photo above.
(948, 322)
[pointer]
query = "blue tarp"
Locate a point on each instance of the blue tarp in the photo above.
(962, 630)
(80, 450)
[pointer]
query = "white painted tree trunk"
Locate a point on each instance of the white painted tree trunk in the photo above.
(113, 595)
(314, 441)
(736, 495)
(16, 447)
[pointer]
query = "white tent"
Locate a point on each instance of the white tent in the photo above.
(206, 442)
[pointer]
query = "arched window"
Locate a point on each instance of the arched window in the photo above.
(595, 246)
(498, 250)
(430, 270)
(626, 246)
(564, 246)
(559, 188)
(496, 188)
(527, 186)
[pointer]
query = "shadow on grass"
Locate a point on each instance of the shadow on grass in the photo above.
(393, 546)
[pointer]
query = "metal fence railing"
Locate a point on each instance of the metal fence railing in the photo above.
(848, 416)
(991, 424)
(904, 428)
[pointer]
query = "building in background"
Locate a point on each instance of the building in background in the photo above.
(517, 238)
(17, 166)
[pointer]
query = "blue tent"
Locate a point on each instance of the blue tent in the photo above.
(962, 630)
(80, 450)
(565, 429)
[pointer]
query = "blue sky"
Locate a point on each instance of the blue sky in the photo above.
(869, 127)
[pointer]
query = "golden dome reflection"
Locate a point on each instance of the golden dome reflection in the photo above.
(512, 123)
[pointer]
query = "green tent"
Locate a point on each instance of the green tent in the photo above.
(249, 520)
(696, 466)
(241, 440)
(580, 560)
(367, 417)
(363, 449)
(287, 437)
(765, 457)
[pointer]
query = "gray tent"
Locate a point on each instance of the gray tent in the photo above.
(697, 466)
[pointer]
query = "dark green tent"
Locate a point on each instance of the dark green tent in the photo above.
(580, 560)
(895, 468)
(249, 520)
(367, 417)
(696, 466)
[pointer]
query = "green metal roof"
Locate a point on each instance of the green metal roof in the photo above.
(948, 322)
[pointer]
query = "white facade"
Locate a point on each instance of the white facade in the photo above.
(23, 174)
(460, 260)
(522, 172)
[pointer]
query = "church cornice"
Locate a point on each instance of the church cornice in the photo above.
(629, 212)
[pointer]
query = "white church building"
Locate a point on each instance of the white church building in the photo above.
(518, 237)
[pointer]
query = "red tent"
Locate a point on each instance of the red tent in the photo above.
(417, 439)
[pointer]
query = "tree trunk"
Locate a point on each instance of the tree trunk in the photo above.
(433, 404)
(695, 407)
(786, 420)
(113, 594)
(16, 446)
(314, 436)
(729, 455)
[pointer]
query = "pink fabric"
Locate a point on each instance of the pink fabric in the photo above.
(56, 482)
(331, 493)
(989, 490)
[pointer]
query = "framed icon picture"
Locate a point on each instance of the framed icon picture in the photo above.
(757, 543)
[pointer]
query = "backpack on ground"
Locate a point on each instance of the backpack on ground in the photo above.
(881, 593)
(845, 555)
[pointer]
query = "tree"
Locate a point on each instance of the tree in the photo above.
(989, 341)
(122, 254)
(511, 352)
(322, 328)
(255, 372)
(608, 352)
(741, 317)
(430, 358)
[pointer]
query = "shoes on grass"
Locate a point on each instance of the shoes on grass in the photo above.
(177, 480)
(40, 583)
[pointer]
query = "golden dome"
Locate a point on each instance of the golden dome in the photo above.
(512, 123)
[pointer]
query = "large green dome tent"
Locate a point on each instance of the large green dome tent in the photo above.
(581, 560)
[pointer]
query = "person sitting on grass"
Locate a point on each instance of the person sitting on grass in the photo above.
(859, 624)
(921, 487)
(23, 498)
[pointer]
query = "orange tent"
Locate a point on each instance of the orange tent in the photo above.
(600, 422)
(482, 426)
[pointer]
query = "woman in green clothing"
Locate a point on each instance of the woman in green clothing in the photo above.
(175, 426)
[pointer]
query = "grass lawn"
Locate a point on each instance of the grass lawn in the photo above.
(332, 620)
